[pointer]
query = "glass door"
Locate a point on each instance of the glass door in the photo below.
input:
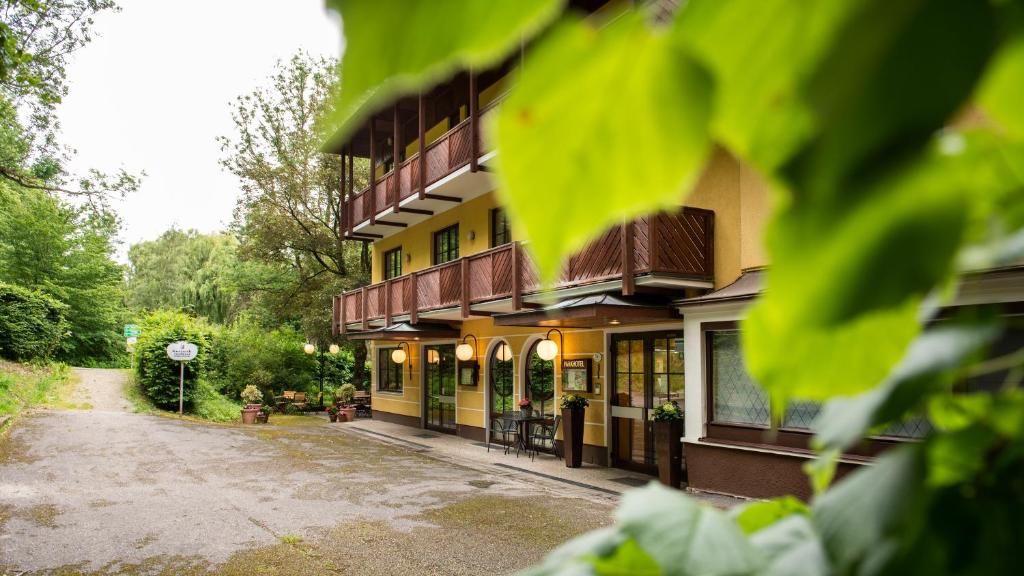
(647, 370)
(439, 391)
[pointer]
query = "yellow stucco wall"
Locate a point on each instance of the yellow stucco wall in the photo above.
(417, 241)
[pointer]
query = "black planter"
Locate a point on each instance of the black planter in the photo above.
(670, 451)
(573, 430)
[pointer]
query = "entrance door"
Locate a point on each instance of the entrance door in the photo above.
(647, 370)
(439, 391)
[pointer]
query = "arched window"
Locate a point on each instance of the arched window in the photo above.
(540, 381)
(501, 380)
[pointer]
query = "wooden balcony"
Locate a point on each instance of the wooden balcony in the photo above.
(666, 250)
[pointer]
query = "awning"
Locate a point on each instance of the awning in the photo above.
(406, 331)
(593, 311)
(746, 287)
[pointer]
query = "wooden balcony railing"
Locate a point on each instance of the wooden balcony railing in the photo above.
(678, 244)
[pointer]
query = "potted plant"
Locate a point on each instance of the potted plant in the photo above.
(332, 413)
(668, 429)
(252, 397)
(344, 395)
(526, 407)
(264, 416)
(573, 413)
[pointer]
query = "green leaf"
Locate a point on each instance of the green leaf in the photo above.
(607, 163)
(683, 536)
(845, 421)
(757, 515)
(395, 48)
(1000, 93)
(792, 548)
(822, 469)
(957, 457)
(578, 555)
(628, 560)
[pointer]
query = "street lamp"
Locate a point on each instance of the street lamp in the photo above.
(398, 356)
(464, 351)
(311, 349)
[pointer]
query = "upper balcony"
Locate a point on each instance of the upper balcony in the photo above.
(665, 251)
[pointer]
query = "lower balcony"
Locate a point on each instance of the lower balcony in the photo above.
(668, 251)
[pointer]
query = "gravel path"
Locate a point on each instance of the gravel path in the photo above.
(107, 491)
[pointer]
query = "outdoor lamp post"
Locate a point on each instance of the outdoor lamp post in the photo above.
(547, 349)
(311, 349)
(399, 356)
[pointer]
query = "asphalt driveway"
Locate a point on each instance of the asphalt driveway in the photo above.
(107, 491)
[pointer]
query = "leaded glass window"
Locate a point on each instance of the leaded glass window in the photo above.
(540, 382)
(501, 378)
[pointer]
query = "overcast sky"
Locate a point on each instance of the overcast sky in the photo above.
(151, 92)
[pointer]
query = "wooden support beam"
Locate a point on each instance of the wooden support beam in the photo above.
(442, 198)
(628, 261)
(366, 308)
(344, 320)
(395, 133)
(423, 146)
(342, 208)
(373, 172)
(365, 236)
(390, 223)
(387, 303)
(418, 211)
(464, 288)
(335, 315)
(517, 288)
(474, 124)
(351, 191)
(414, 299)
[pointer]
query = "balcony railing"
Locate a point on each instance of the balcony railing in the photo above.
(445, 155)
(678, 244)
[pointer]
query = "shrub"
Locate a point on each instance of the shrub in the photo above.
(158, 374)
(252, 395)
(209, 404)
(571, 401)
(668, 412)
(31, 323)
(345, 393)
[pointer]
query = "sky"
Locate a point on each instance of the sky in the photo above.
(152, 92)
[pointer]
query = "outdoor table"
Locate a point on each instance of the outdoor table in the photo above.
(524, 424)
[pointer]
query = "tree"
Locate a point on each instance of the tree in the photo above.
(184, 270)
(854, 112)
(288, 216)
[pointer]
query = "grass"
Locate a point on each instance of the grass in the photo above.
(23, 386)
(208, 405)
(141, 404)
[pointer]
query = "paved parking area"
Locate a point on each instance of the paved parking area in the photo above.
(107, 491)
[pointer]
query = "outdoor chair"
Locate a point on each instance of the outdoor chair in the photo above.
(299, 401)
(544, 435)
(506, 427)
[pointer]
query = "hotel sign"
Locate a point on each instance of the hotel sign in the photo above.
(576, 375)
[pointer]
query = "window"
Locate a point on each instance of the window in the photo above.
(393, 263)
(446, 244)
(389, 374)
(501, 380)
(500, 232)
(540, 381)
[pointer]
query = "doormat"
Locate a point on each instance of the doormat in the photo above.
(631, 481)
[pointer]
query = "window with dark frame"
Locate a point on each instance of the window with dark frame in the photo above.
(389, 374)
(501, 233)
(446, 244)
(393, 263)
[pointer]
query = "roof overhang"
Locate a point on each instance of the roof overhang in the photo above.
(405, 331)
(747, 287)
(592, 312)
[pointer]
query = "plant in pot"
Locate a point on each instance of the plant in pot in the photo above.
(526, 407)
(264, 416)
(252, 397)
(344, 394)
(332, 413)
(668, 429)
(573, 413)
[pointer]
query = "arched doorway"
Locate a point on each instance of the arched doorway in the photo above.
(500, 377)
(540, 381)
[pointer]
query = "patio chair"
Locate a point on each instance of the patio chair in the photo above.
(544, 434)
(507, 428)
(299, 401)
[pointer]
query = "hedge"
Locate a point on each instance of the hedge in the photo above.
(31, 323)
(158, 374)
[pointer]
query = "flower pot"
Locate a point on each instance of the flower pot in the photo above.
(667, 434)
(527, 411)
(249, 415)
(261, 418)
(347, 414)
(573, 419)
(332, 416)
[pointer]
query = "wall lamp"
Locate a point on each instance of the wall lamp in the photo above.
(398, 355)
(464, 351)
(547, 349)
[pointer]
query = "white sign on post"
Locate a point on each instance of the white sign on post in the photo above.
(182, 351)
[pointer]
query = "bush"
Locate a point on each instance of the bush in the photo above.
(252, 395)
(31, 323)
(345, 393)
(158, 374)
(209, 404)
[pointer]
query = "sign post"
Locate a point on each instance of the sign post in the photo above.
(182, 352)
(131, 335)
